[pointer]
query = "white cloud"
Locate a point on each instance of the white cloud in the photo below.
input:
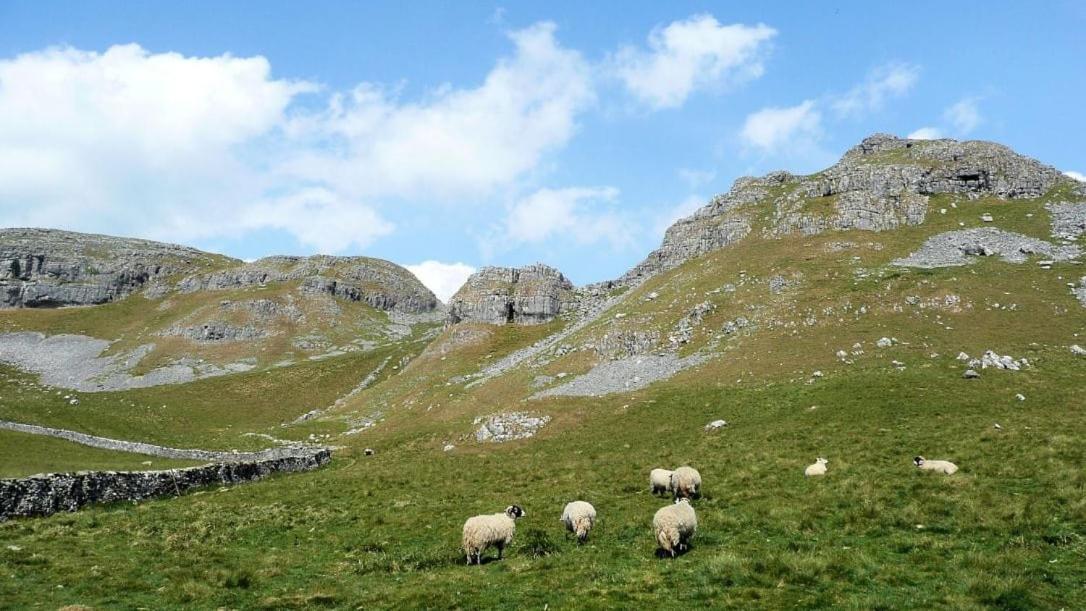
(455, 142)
(771, 128)
(696, 178)
(572, 213)
(186, 148)
(444, 279)
(683, 209)
(882, 83)
(964, 115)
(926, 133)
(1079, 176)
(695, 53)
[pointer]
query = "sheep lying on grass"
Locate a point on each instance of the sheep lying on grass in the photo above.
(481, 532)
(579, 517)
(674, 526)
(818, 468)
(686, 483)
(660, 481)
(938, 466)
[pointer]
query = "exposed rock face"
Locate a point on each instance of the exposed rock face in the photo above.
(381, 284)
(882, 183)
(50, 268)
(497, 295)
(956, 247)
(1068, 220)
(499, 428)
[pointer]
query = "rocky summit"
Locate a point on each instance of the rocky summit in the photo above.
(882, 183)
(526, 295)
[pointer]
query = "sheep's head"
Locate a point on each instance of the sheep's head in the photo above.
(514, 512)
(682, 500)
(918, 461)
(822, 461)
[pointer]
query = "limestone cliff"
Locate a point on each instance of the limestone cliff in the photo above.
(526, 295)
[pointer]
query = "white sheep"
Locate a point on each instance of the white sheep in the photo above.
(660, 481)
(674, 526)
(818, 468)
(938, 466)
(579, 518)
(686, 483)
(481, 532)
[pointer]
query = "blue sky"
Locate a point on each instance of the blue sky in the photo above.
(470, 134)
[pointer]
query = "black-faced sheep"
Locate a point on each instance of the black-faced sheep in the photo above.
(481, 532)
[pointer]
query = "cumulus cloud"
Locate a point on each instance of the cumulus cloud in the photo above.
(964, 115)
(183, 148)
(1079, 176)
(692, 54)
(884, 82)
(926, 133)
(771, 128)
(584, 215)
(444, 279)
(455, 142)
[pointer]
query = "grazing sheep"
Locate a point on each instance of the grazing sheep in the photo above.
(939, 466)
(674, 526)
(480, 532)
(686, 483)
(818, 468)
(660, 481)
(579, 518)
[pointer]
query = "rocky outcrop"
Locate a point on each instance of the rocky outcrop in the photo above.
(956, 247)
(51, 268)
(381, 284)
(882, 183)
(510, 426)
(497, 295)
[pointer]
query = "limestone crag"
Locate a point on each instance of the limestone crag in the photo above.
(526, 295)
(880, 184)
(51, 268)
(381, 284)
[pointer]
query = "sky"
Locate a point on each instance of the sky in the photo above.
(448, 136)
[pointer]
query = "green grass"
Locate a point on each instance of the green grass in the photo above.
(22, 454)
(1006, 531)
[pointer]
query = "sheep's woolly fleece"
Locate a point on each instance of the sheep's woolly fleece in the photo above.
(675, 526)
(660, 480)
(579, 518)
(686, 482)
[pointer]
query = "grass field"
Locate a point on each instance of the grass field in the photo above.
(1007, 531)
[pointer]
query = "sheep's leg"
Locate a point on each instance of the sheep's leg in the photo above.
(501, 548)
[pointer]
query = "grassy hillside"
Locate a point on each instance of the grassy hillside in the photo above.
(1007, 531)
